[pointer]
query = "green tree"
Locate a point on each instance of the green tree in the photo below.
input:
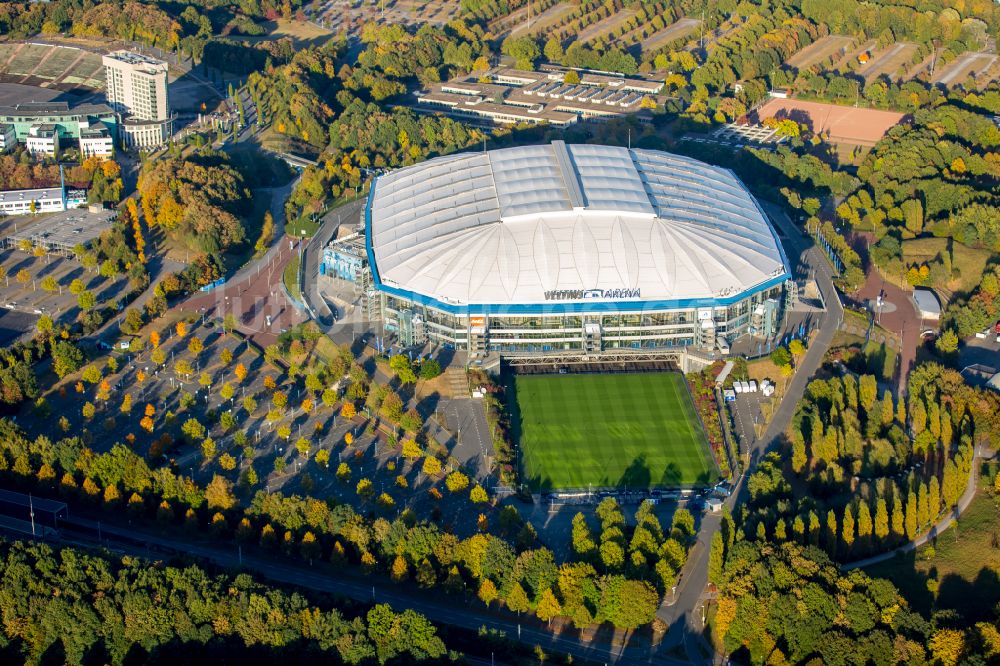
(946, 344)
(516, 599)
(881, 521)
(487, 592)
(524, 51)
(716, 557)
(911, 516)
(548, 606)
(864, 524)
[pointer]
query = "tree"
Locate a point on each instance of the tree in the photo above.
(208, 449)
(347, 411)
(401, 365)
(86, 300)
(781, 357)
(400, 569)
(867, 392)
(548, 606)
(553, 50)
(524, 51)
(947, 343)
(227, 462)
(430, 369)
(478, 496)
(934, 498)
(947, 646)
(23, 276)
(240, 371)
(864, 524)
(266, 234)
(911, 516)
(431, 466)
(487, 592)
(456, 481)
(66, 358)
(411, 449)
(629, 603)
(365, 488)
(881, 521)
(219, 494)
(517, 599)
(716, 558)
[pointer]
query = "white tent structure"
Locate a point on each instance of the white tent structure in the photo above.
(561, 222)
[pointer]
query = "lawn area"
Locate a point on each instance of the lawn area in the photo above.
(964, 561)
(969, 261)
(303, 33)
(291, 278)
(636, 430)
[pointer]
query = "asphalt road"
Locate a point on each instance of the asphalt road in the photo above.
(461, 612)
(685, 615)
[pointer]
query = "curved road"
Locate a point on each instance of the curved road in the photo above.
(685, 615)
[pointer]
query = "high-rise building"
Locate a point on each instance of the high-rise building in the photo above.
(137, 89)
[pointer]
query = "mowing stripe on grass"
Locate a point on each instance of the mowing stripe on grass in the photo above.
(636, 430)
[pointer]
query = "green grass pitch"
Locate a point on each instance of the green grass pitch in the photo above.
(614, 430)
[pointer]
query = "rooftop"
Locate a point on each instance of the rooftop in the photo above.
(65, 229)
(927, 302)
(133, 58)
(517, 225)
(39, 109)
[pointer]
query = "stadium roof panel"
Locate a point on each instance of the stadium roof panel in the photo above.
(515, 225)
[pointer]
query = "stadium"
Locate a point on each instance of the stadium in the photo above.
(570, 249)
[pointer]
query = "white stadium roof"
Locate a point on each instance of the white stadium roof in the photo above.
(531, 224)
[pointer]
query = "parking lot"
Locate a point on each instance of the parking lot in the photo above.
(981, 355)
(26, 287)
(746, 414)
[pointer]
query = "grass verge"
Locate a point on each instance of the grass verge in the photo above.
(291, 278)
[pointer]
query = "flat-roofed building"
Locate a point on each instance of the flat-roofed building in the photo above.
(137, 89)
(38, 200)
(46, 128)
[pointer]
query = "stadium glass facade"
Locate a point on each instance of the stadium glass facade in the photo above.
(430, 304)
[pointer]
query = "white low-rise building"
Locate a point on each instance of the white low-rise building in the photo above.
(43, 140)
(41, 200)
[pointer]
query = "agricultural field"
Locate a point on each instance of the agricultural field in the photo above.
(823, 48)
(602, 431)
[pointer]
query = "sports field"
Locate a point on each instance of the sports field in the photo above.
(614, 430)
